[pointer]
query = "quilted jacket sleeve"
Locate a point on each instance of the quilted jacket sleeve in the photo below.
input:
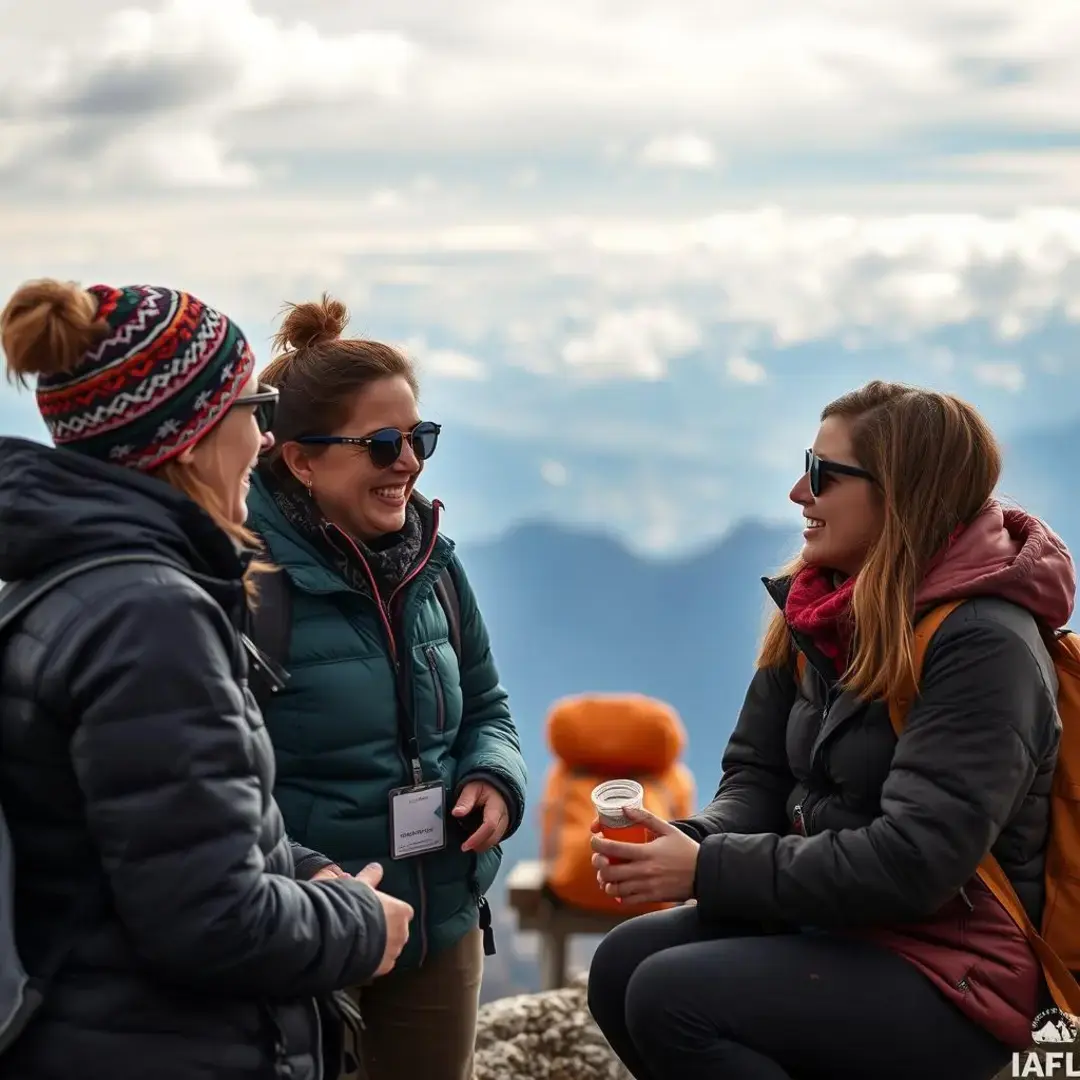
(968, 755)
(756, 779)
(169, 752)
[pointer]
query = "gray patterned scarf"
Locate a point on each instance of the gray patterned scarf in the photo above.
(390, 559)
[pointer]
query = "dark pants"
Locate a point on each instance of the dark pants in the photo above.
(422, 1023)
(680, 998)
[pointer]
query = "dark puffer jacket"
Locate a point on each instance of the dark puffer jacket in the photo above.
(136, 777)
(824, 817)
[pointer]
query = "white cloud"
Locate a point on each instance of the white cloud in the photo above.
(685, 151)
(148, 94)
(1002, 376)
(593, 297)
(633, 344)
(744, 370)
(413, 77)
(445, 363)
(194, 159)
(451, 364)
(554, 473)
(526, 177)
(264, 60)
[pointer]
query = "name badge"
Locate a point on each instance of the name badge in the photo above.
(417, 820)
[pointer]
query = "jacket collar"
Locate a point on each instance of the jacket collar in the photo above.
(306, 566)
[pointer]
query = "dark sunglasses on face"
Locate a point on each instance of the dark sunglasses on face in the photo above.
(385, 445)
(264, 402)
(819, 468)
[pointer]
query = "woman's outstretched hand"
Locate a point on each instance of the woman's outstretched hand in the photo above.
(661, 870)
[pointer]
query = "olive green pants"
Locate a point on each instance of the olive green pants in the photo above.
(421, 1023)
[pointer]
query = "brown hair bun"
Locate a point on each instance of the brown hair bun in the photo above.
(311, 323)
(47, 327)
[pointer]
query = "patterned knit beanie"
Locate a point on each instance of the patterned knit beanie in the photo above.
(158, 371)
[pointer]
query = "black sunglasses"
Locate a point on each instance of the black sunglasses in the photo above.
(385, 445)
(264, 402)
(816, 466)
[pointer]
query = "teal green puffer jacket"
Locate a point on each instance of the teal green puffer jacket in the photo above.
(335, 725)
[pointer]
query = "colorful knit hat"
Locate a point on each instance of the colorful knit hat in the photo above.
(166, 372)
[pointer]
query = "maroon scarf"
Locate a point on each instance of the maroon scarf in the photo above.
(821, 610)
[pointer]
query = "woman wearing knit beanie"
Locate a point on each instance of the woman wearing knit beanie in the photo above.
(155, 904)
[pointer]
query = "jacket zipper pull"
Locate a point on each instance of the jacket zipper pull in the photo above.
(799, 821)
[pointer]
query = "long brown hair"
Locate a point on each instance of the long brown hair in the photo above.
(318, 373)
(937, 463)
(183, 478)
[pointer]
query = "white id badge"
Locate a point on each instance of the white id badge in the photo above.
(417, 820)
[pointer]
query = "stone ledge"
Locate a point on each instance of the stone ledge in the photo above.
(545, 1036)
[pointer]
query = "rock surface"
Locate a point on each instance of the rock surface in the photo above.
(547, 1036)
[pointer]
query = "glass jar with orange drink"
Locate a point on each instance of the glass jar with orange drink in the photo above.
(610, 801)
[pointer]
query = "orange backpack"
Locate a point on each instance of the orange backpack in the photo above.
(602, 737)
(1057, 941)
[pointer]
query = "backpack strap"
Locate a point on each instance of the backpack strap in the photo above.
(271, 628)
(1060, 981)
(17, 597)
(925, 629)
(271, 618)
(446, 591)
(271, 633)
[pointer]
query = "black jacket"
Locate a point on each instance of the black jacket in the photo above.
(893, 828)
(136, 777)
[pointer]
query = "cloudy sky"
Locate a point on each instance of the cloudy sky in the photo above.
(634, 246)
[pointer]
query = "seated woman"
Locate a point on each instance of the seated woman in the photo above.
(838, 929)
(393, 735)
(155, 896)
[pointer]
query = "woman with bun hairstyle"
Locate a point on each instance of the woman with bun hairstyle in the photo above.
(393, 735)
(153, 879)
(840, 929)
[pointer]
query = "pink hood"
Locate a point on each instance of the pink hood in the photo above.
(1009, 554)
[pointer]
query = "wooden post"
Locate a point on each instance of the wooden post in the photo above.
(553, 942)
(555, 923)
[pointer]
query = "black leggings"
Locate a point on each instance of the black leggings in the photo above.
(681, 999)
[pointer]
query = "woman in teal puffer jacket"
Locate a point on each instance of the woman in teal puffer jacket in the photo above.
(393, 735)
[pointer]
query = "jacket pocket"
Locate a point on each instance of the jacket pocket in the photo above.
(805, 814)
(437, 689)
